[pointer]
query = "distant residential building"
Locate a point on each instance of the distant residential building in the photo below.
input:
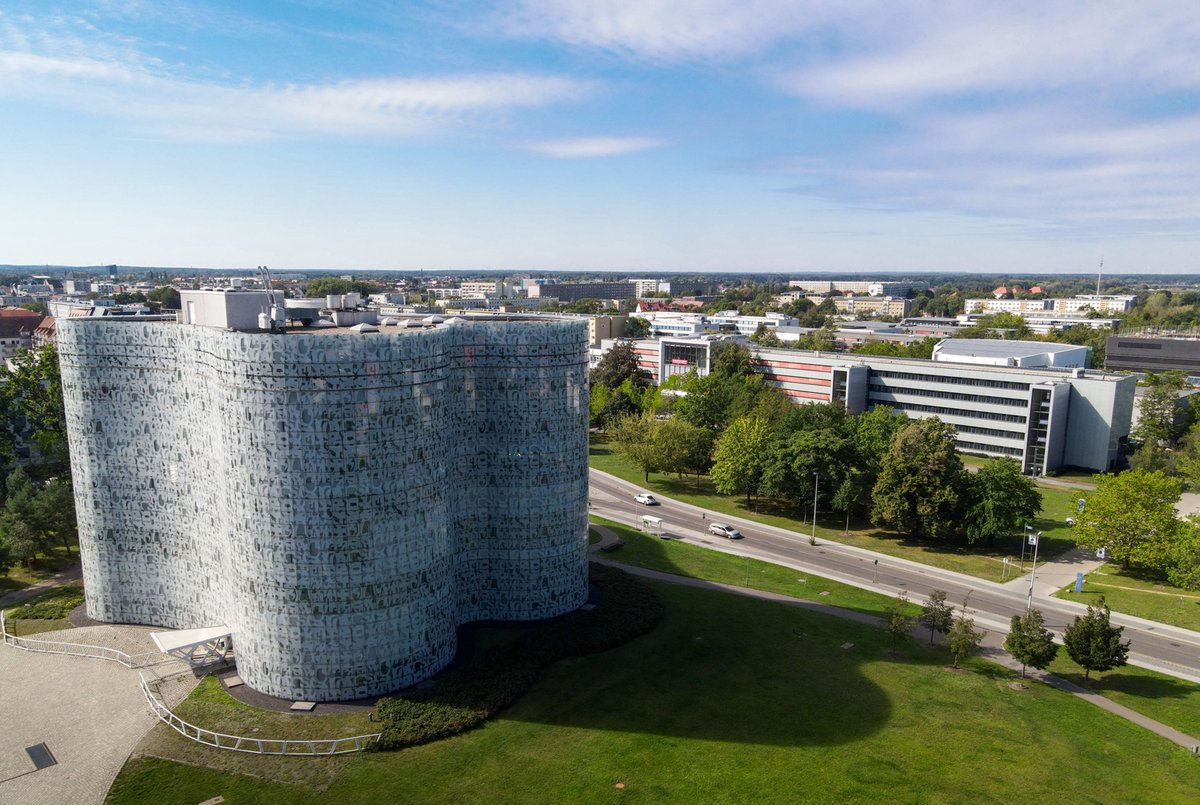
(574, 291)
(602, 327)
(496, 288)
(1146, 353)
(1099, 304)
(45, 333)
(17, 327)
(867, 287)
(647, 287)
(446, 293)
(34, 290)
(873, 305)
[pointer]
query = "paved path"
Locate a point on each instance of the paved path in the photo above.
(90, 713)
(73, 573)
(1053, 576)
(992, 646)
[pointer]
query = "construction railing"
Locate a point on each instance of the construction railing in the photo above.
(257, 746)
(77, 649)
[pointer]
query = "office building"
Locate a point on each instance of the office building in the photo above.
(1044, 417)
(1153, 353)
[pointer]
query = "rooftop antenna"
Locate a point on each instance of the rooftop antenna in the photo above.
(1098, 273)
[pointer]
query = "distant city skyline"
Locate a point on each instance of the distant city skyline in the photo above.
(563, 135)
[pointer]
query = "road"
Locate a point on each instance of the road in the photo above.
(1156, 646)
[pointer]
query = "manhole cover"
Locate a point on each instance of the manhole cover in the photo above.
(41, 756)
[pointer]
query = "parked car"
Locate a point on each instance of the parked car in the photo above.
(646, 499)
(727, 531)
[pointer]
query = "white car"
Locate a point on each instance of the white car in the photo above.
(646, 499)
(727, 531)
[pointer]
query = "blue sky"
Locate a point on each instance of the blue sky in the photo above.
(560, 134)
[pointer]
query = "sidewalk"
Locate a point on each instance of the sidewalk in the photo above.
(1053, 576)
(992, 647)
(73, 573)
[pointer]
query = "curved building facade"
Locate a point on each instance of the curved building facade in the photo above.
(341, 501)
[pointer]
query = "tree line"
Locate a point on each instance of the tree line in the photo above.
(753, 441)
(37, 503)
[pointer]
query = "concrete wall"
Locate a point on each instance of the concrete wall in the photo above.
(342, 502)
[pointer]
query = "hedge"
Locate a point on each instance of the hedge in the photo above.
(465, 698)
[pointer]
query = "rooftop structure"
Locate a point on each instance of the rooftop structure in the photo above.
(1154, 353)
(996, 352)
(339, 500)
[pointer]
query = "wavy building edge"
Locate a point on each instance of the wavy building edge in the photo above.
(341, 501)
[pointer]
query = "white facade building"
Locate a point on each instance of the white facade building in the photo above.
(337, 501)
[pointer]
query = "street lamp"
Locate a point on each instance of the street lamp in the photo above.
(816, 481)
(1036, 539)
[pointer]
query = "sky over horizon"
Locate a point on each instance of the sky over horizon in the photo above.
(694, 135)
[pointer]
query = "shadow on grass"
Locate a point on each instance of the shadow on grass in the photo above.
(730, 669)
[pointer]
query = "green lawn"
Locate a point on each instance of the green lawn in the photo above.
(737, 700)
(982, 561)
(1136, 593)
(19, 577)
(46, 613)
(672, 556)
(1175, 702)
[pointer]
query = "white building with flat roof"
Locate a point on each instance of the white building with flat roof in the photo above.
(998, 352)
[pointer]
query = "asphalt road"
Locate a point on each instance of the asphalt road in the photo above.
(1157, 646)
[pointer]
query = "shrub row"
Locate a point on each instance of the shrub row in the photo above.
(53, 605)
(467, 697)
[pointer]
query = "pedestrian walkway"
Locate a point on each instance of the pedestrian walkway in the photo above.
(73, 573)
(992, 645)
(1053, 576)
(90, 714)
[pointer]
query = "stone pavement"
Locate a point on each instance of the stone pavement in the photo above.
(90, 713)
(992, 646)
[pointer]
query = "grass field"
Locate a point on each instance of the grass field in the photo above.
(1136, 593)
(45, 613)
(1164, 698)
(732, 699)
(19, 577)
(671, 556)
(982, 561)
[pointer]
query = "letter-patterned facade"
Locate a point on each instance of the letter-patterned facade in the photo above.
(342, 501)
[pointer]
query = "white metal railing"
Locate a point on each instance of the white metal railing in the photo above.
(76, 649)
(257, 746)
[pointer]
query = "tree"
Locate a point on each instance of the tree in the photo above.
(682, 447)
(616, 407)
(637, 327)
(1094, 643)
(1184, 570)
(730, 359)
(788, 473)
(618, 365)
(896, 619)
(962, 639)
(920, 486)
(32, 404)
(937, 615)
(21, 540)
(633, 437)
(740, 456)
(765, 336)
(1160, 420)
(1030, 642)
(329, 286)
(1132, 516)
(54, 513)
(1000, 500)
(166, 296)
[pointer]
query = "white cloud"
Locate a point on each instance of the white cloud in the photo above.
(592, 147)
(666, 30)
(205, 110)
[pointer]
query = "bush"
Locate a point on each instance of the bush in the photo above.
(466, 698)
(54, 605)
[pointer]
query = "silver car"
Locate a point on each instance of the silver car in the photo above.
(727, 531)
